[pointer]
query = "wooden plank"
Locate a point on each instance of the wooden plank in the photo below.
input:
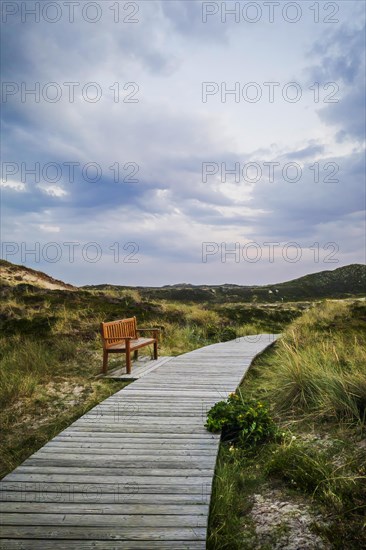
(122, 459)
(111, 420)
(118, 489)
(97, 508)
(153, 477)
(134, 472)
(114, 533)
(137, 444)
(105, 462)
(92, 495)
(138, 438)
(54, 544)
(101, 469)
(102, 520)
(155, 429)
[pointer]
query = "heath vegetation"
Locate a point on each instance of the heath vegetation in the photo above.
(293, 435)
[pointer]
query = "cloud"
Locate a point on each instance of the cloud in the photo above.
(14, 185)
(301, 210)
(187, 18)
(341, 59)
(50, 228)
(163, 139)
(311, 150)
(72, 51)
(54, 191)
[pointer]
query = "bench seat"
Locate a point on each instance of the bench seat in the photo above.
(134, 344)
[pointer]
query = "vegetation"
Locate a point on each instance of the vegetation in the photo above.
(322, 364)
(296, 426)
(343, 282)
(314, 378)
(51, 349)
(242, 422)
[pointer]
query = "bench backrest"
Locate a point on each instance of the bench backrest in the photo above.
(114, 332)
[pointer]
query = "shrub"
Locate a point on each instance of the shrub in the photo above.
(243, 422)
(228, 333)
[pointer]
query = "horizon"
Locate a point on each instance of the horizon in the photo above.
(153, 142)
(55, 277)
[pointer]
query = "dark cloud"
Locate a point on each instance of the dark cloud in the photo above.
(188, 19)
(348, 115)
(341, 56)
(298, 209)
(66, 51)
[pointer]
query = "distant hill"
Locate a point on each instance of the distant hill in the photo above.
(12, 274)
(343, 282)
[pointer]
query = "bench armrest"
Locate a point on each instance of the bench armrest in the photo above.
(155, 331)
(122, 338)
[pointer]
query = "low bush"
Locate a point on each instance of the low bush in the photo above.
(242, 422)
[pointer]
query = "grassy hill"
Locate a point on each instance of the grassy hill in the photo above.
(13, 275)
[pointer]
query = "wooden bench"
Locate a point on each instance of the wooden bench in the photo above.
(123, 337)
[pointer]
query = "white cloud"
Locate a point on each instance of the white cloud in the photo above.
(53, 190)
(50, 228)
(12, 184)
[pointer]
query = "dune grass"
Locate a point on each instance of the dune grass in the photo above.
(320, 364)
(314, 377)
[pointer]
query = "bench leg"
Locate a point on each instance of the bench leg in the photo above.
(105, 362)
(155, 350)
(136, 354)
(128, 357)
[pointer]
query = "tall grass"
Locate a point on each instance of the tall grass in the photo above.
(178, 339)
(27, 363)
(22, 368)
(315, 473)
(320, 366)
(228, 504)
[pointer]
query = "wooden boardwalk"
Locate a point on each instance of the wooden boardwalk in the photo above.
(136, 471)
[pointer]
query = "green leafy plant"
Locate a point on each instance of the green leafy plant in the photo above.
(242, 422)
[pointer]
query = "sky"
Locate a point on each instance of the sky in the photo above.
(163, 142)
